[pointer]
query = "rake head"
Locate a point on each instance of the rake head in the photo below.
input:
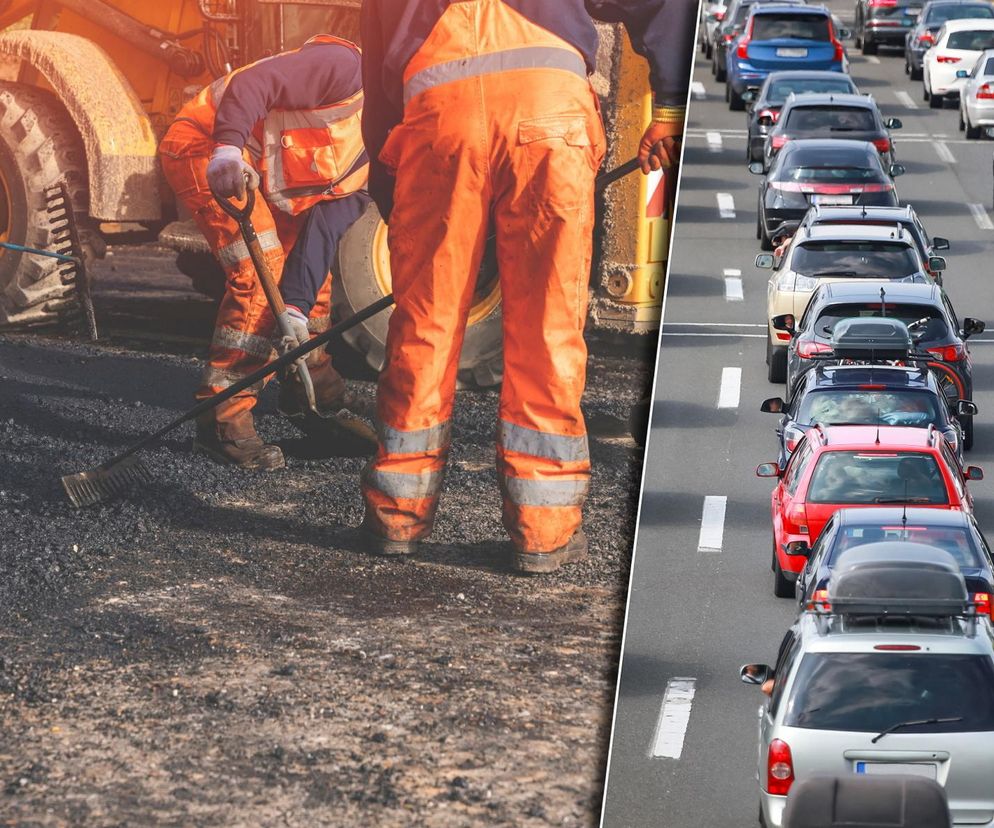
(89, 488)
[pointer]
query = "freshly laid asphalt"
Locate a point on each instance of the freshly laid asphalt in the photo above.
(701, 614)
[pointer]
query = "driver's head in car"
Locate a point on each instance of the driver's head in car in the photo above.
(857, 410)
(914, 472)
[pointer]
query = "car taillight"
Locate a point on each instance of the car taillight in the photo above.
(768, 116)
(719, 16)
(882, 4)
(882, 144)
(807, 348)
(985, 92)
(948, 353)
(796, 520)
(840, 53)
(779, 768)
(926, 40)
(777, 141)
(983, 602)
(792, 436)
(828, 189)
(743, 49)
(947, 59)
(819, 600)
(728, 37)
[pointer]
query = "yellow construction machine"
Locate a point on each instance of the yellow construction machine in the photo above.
(87, 87)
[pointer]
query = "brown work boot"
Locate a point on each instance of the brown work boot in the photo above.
(375, 543)
(535, 563)
(236, 442)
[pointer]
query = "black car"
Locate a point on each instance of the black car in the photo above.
(820, 115)
(731, 27)
(884, 22)
(955, 532)
(892, 395)
(924, 308)
(765, 105)
(808, 171)
(934, 13)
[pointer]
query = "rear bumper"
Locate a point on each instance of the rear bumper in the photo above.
(773, 808)
(891, 35)
(981, 114)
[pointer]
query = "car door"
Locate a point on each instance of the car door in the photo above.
(786, 492)
(808, 576)
(962, 491)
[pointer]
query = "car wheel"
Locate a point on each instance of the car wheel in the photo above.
(962, 123)
(925, 93)
(869, 47)
(720, 74)
(936, 101)
(972, 132)
(735, 102)
(967, 423)
(907, 66)
(915, 73)
(776, 362)
(782, 586)
(708, 51)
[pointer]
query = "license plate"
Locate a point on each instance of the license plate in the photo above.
(906, 769)
(792, 52)
(912, 12)
(833, 200)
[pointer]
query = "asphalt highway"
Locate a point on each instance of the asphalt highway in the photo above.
(701, 604)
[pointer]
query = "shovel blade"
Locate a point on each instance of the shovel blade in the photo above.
(88, 488)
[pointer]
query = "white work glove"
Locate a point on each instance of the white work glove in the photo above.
(298, 322)
(228, 172)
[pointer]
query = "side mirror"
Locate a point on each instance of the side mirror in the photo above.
(845, 34)
(776, 405)
(893, 123)
(973, 473)
(755, 673)
(748, 96)
(896, 170)
(784, 322)
(962, 73)
(756, 168)
(967, 408)
(764, 261)
(972, 327)
(797, 548)
(768, 470)
(939, 243)
(936, 263)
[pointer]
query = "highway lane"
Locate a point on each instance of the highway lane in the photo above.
(684, 746)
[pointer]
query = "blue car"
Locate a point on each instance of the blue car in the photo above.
(778, 38)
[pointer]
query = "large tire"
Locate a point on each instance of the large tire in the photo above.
(735, 102)
(39, 146)
(363, 276)
(915, 73)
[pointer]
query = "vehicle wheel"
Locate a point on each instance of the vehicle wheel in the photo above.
(915, 73)
(962, 123)
(364, 276)
(782, 586)
(907, 67)
(869, 47)
(39, 146)
(776, 362)
(925, 93)
(858, 41)
(967, 423)
(720, 73)
(708, 50)
(936, 101)
(972, 132)
(735, 102)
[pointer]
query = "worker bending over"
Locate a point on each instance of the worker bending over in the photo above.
(481, 115)
(289, 125)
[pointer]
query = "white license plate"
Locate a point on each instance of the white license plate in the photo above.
(833, 200)
(906, 769)
(792, 52)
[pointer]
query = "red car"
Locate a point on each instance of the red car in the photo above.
(836, 466)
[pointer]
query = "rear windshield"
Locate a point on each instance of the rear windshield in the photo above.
(831, 118)
(940, 14)
(931, 325)
(790, 27)
(854, 259)
(891, 11)
(870, 692)
(958, 541)
(865, 477)
(971, 41)
(868, 407)
(833, 175)
(779, 90)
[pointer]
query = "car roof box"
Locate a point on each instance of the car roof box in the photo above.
(856, 801)
(871, 338)
(897, 578)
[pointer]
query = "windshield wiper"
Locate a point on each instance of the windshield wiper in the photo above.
(846, 129)
(915, 723)
(918, 499)
(851, 274)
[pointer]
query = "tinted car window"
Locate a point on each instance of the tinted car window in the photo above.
(790, 27)
(871, 175)
(779, 90)
(870, 692)
(868, 258)
(900, 408)
(863, 477)
(958, 541)
(795, 469)
(940, 14)
(935, 328)
(835, 118)
(971, 41)
(833, 158)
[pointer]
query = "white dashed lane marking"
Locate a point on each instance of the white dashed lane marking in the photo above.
(944, 153)
(712, 524)
(980, 216)
(698, 91)
(905, 98)
(726, 205)
(731, 388)
(714, 141)
(674, 716)
(873, 59)
(733, 284)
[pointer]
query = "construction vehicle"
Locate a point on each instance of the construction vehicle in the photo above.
(87, 88)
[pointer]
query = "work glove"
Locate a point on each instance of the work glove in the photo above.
(228, 172)
(301, 335)
(660, 144)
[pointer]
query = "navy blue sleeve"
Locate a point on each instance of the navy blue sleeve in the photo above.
(314, 76)
(662, 31)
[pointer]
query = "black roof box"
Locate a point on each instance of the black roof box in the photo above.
(867, 802)
(871, 338)
(897, 578)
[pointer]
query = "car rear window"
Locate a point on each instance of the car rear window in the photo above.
(790, 27)
(933, 328)
(836, 175)
(779, 90)
(958, 541)
(867, 477)
(868, 407)
(831, 118)
(940, 14)
(891, 11)
(824, 156)
(870, 692)
(971, 41)
(855, 259)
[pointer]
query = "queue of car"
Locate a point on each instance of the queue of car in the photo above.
(889, 666)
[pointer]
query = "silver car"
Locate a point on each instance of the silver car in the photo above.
(976, 100)
(911, 693)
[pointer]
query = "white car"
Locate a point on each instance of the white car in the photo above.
(711, 16)
(976, 99)
(958, 46)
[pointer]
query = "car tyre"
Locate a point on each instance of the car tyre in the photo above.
(925, 93)
(735, 102)
(776, 362)
(868, 47)
(972, 132)
(915, 73)
(907, 66)
(967, 423)
(720, 74)
(962, 123)
(783, 587)
(936, 101)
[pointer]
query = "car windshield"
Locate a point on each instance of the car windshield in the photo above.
(779, 90)
(870, 692)
(940, 14)
(975, 41)
(933, 327)
(866, 477)
(860, 258)
(870, 407)
(832, 118)
(890, 11)
(958, 541)
(790, 27)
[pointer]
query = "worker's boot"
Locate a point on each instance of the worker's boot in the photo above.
(377, 544)
(236, 442)
(575, 549)
(334, 424)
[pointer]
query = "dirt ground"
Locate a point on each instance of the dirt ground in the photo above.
(216, 649)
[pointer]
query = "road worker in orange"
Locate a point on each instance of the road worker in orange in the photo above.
(480, 115)
(288, 125)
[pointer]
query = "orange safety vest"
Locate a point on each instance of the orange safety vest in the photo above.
(303, 156)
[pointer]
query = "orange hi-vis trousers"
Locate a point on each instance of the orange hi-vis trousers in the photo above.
(242, 340)
(501, 129)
